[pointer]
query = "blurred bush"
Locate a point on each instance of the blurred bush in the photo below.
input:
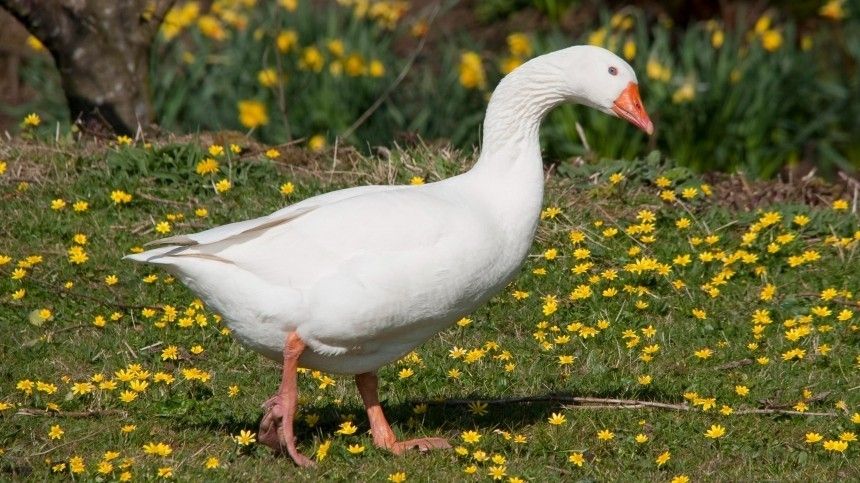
(752, 93)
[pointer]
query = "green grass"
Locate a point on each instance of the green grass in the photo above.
(199, 420)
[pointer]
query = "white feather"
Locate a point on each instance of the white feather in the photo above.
(366, 274)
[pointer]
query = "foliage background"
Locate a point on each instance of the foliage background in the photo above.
(745, 86)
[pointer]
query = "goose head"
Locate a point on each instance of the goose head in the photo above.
(603, 81)
(582, 74)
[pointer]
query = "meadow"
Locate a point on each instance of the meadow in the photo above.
(657, 332)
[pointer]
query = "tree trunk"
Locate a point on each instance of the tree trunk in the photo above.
(101, 48)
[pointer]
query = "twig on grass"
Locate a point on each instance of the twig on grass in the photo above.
(812, 295)
(734, 364)
(49, 450)
(156, 199)
(609, 403)
(92, 413)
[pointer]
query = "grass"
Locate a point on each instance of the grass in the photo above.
(199, 420)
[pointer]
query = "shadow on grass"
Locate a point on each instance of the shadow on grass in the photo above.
(443, 417)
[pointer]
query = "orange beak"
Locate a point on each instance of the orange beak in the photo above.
(629, 106)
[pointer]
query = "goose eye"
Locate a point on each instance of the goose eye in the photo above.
(613, 71)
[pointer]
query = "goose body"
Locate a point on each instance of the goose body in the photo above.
(363, 275)
(348, 281)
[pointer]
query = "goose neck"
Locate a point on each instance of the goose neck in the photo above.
(518, 105)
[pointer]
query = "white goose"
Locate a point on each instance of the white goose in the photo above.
(348, 281)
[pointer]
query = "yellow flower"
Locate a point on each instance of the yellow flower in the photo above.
(76, 464)
(509, 63)
(771, 40)
(416, 180)
(833, 9)
(355, 448)
(847, 436)
(216, 150)
(165, 472)
(663, 458)
(58, 204)
(207, 166)
(157, 449)
(704, 353)
(311, 59)
(35, 44)
(605, 435)
(812, 438)
(212, 463)
(354, 65)
(685, 93)
(406, 373)
(519, 45)
(718, 37)
(56, 432)
(124, 140)
(317, 142)
(286, 40)
(252, 114)
(120, 197)
(644, 380)
(472, 71)
(576, 458)
(832, 445)
(267, 77)
(77, 255)
(245, 437)
(629, 50)
(641, 438)
(398, 477)
(347, 428)
(597, 38)
(840, 205)
(289, 5)
(376, 68)
(715, 431)
(105, 467)
(223, 186)
(557, 419)
(689, 193)
(471, 437)
(742, 390)
(162, 227)
(32, 119)
(497, 472)
(335, 46)
(657, 71)
(287, 188)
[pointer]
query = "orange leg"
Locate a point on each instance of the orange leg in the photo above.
(383, 436)
(276, 428)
